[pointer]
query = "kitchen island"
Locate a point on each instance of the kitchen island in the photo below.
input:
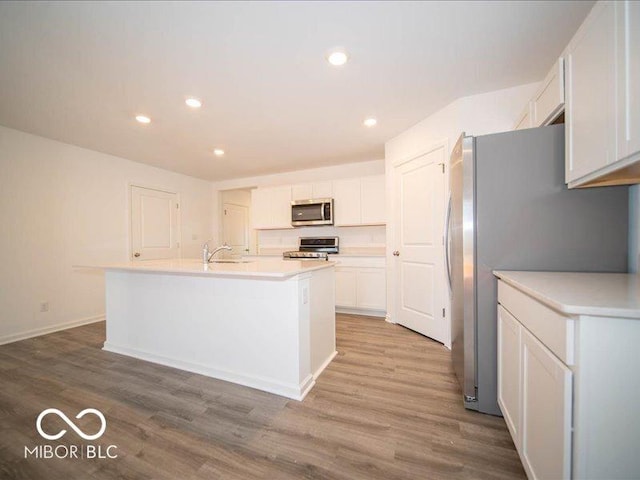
(266, 324)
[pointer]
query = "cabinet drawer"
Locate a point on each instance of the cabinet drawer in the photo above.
(552, 329)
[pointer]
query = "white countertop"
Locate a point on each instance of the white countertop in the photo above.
(263, 268)
(598, 294)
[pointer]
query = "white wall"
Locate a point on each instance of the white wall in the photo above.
(63, 205)
(475, 115)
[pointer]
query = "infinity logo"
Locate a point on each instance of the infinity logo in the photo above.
(46, 412)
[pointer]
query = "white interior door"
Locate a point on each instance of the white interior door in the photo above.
(154, 224)
(418, 244)
(235, 228)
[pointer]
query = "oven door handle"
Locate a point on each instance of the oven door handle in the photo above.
(322, 210)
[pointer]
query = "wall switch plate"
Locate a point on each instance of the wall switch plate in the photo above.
(305, 295)
(44, 307)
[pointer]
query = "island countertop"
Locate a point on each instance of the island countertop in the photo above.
(263, 268)
(570, 293)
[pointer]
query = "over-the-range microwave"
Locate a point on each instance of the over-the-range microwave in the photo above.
(317, 211)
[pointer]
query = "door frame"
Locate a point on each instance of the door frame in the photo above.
(129, 216)
(392, 287)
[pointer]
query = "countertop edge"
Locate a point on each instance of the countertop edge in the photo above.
(211, 273)
(566, 309)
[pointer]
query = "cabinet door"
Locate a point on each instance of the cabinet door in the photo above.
(371, 289)
(346, 202)
(591, 94)
(372, 195)
(524, 121)
(628, 78)
(509, 366)
(301, 192)
(281, 207)
(549, 101)
(546, 412)
(260, 208)
(322, 190)
(346, 281)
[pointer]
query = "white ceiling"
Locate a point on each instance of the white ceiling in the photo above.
(79, 72)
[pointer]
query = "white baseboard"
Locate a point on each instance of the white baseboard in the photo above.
(16, 337)
(324, 365)
(361, 311)
(296, 392)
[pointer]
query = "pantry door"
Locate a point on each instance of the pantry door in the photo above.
(417, 248)
(154, 224)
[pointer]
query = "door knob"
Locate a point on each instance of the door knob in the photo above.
(396, 253)
(136, 254)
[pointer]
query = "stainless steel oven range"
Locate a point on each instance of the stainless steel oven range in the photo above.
(314, 248)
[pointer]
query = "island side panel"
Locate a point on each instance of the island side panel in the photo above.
(323, 319)
(242, 330)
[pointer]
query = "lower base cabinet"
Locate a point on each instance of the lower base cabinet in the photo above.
(567, 389)
(361, 290)
(546, 411)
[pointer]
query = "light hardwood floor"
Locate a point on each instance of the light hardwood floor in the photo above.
(388, 407)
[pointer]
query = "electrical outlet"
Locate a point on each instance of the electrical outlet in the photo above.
(44, 307)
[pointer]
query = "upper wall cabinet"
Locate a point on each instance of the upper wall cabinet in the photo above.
(628, 48)
(548, 103)
(602, 106)
(359, 201)
(591, 94)
(308, 191)
(271, 208)
(525, 120)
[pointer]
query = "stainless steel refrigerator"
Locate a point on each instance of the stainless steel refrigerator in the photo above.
(511, 210)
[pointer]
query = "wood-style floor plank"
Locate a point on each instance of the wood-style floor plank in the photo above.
(388, 407)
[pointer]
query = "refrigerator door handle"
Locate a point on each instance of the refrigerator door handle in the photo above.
(447, 242)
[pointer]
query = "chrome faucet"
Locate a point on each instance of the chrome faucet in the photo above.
(207, 256)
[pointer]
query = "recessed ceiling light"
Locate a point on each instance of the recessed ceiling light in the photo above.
(218, 152)
(338, 58)
(143, 119)
(370, 122)
(193, 102)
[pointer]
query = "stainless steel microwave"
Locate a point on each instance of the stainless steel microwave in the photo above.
(318, 211)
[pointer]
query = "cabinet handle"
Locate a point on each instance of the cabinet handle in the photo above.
(396, 253)
(136, 254)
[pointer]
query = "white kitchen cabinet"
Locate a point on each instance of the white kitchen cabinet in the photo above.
(359, 201)
(591, 94)
(628, 47)
(509, 383)
(525, 118)
(346, 202)
(301, 191)
(603, 97)
(271, 208)
(372, 195)
(346, 290)
(371, 288)
(306, 191)
(567, 366)
(322, 189)
(546, 411)
(548, 102)
(361, 285)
